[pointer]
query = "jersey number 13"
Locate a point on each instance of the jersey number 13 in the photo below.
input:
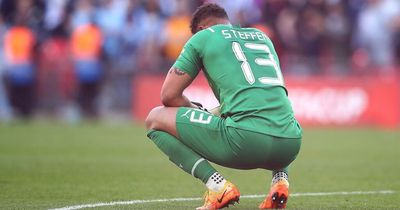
(269, 61)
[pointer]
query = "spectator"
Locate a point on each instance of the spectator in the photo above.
(82, 14)
(375, 33)
(150, 23)
(286, 29)
(177, 31)
(54, 14)
(5, 110)
(337, 33)
(55, 73)
(243, 12)
(110, 17)
(86, 42)
(19, 43)
(396, 27)
(311, 38)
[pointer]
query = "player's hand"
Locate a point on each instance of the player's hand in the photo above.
(216, 111)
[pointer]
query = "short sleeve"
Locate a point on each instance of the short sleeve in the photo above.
(189, 60)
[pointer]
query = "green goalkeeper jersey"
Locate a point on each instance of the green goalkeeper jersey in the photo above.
(243, 70)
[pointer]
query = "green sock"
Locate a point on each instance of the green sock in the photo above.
(181, 155)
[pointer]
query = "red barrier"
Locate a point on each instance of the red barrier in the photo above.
(316, 100)
(350, 101)
(146, 95)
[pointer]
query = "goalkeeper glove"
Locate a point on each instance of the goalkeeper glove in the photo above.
(199, 106)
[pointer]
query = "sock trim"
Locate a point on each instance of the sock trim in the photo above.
(150, 132)
(196, 164)
(278, 176)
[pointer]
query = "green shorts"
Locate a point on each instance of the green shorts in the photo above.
(208, 135)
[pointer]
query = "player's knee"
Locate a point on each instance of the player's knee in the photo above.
(151, 120)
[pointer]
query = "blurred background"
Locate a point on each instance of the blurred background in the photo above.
(72, 60)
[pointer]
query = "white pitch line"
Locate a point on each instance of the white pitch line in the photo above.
(115, 203)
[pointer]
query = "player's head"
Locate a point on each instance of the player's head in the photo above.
(208, 15)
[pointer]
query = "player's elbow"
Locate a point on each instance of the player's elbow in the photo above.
(168, 98)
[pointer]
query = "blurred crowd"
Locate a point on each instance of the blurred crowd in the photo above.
(77, 58)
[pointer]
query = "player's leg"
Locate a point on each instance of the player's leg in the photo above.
(278, 194)
(162, 119)
(236, 148)
(279, 191)
(208, 136)
(162, 131)
(269, 152)
(161, 128)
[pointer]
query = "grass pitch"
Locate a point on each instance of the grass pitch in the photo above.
(50, 165)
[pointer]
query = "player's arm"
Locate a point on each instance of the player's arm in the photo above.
(173, 87)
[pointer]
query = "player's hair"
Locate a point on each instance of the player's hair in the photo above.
(205, 11)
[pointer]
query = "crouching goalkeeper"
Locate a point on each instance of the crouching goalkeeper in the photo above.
(256, 127)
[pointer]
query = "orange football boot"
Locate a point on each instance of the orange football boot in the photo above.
(221, 199)
(277, 196)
